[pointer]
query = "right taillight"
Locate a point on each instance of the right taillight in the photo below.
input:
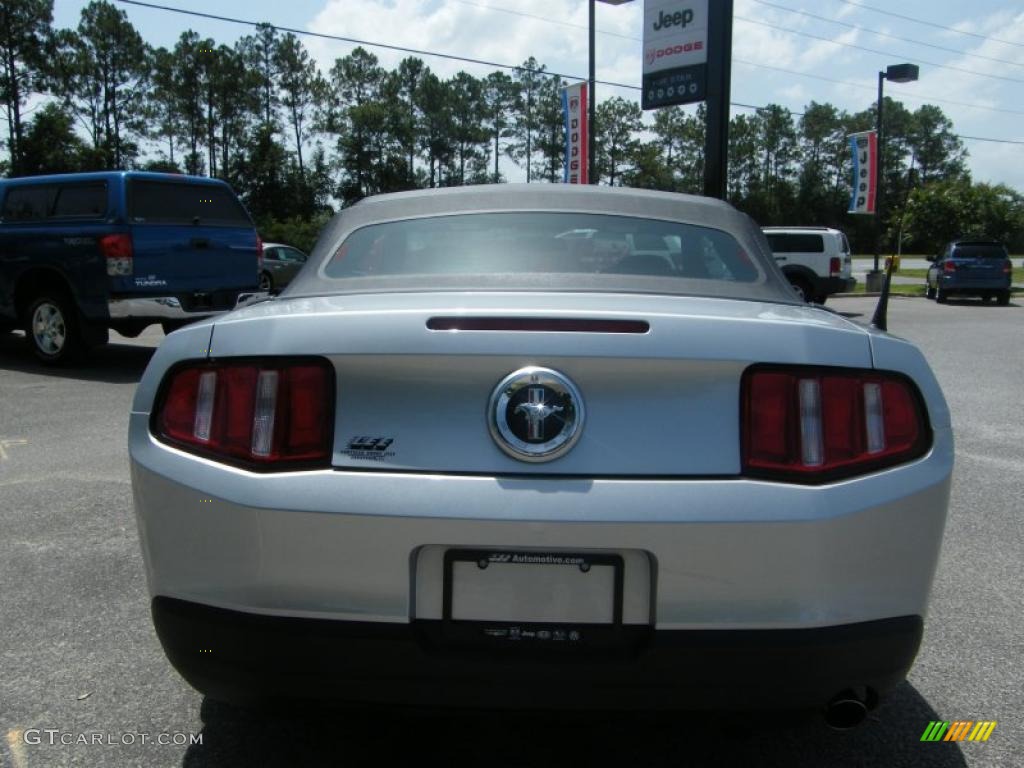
(271, 414)
(813, 425)
(1007, 267)
(949, 266)
(117, 250)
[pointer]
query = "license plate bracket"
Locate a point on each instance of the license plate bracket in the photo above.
(594, 578)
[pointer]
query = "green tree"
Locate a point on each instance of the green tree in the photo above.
(436, 126)
(943, 210)
(679, 139)
(233, 106)
(406, 113)
(362, 104)
(262, 179)
(528, 79)
(551, 129)
(25, 39)
(618, 122)
(939, 153)
(260, 54)
(50, 145)
(743, 158)
(824, 152)
(301, 88)
(777, 144)
(105, 74)
(189, 96)
(499, 102)
(162, 116)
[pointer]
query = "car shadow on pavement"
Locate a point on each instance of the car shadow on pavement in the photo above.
(308, 736)
(972, 301)
(111, 363)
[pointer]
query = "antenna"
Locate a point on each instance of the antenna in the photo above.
(879, 319)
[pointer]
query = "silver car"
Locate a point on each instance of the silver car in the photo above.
(281, 263)
(469, 458)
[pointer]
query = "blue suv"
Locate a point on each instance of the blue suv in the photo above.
(971, 268)
(84, 253)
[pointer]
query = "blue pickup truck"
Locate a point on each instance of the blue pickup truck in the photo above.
(84, 253)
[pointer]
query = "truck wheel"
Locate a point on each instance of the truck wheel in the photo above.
(1003, 298)
(940, 295)
(266, 282)
(929, 292)
(802, 289)
(52, 328)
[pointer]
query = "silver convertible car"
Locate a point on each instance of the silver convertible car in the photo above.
(541, 447)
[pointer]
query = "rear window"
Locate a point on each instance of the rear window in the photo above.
(553, 247)
(168, 202)
(81, 201)
(979, 251)
(28, 203)
(795, 243)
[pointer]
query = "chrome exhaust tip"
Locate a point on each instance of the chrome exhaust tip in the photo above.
(846, 710)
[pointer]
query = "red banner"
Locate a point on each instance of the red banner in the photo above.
(577, 134)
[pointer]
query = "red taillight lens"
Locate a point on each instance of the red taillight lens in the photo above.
(819, 424)
(117, 249)
(266, 415)
(1007, 267)
(948, 266)
(835, 266)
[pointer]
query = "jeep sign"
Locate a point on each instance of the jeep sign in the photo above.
(675, 52)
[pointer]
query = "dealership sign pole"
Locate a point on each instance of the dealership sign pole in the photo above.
(577, 134)
(687, 48)
(865, 176)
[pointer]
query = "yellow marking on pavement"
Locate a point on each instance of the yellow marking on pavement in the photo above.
(7, 443)
(17, 748)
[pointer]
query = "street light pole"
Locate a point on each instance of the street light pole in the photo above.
(879, 166)
(591, 101)
(896, 73)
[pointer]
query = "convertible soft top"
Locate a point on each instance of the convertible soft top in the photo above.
(706, 213)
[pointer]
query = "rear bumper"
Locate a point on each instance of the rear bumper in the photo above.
(156, 308)
(956, 284)
(247, 658)
(830, 285)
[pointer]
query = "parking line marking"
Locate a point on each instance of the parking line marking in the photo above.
(5, 444)
(17, 748)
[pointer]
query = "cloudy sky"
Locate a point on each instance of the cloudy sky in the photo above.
(784, 51)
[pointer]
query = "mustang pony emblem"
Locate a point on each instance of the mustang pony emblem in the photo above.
(537, 411)
(521, 406)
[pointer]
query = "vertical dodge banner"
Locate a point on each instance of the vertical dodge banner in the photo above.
(865, 172)
(577, 134)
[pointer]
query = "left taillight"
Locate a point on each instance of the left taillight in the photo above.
(814, 425)
(268, 415)
(117, 250)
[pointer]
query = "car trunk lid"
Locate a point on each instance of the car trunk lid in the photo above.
(659, 377)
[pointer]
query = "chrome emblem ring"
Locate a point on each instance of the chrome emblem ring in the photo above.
(535, 414)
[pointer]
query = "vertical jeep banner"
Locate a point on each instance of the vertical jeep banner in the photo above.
(675, 52)
(577, 134)
(865, 172)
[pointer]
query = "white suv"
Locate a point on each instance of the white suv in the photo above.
(816, 260)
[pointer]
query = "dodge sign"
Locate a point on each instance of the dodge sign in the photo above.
(675, 52)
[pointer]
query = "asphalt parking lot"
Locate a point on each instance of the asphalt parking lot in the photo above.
(78, 654)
